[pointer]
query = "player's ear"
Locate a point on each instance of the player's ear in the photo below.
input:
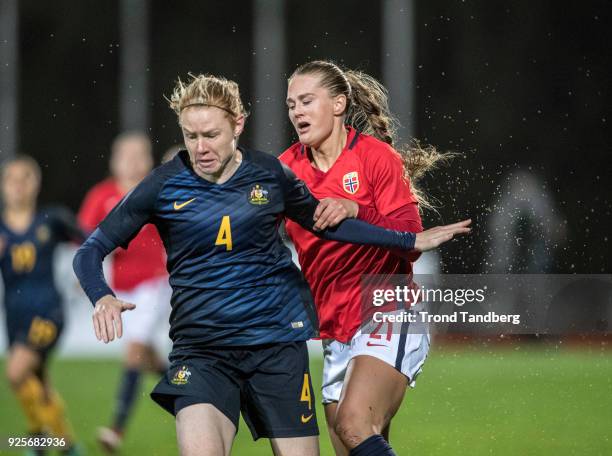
(239, 124)
(339, 104)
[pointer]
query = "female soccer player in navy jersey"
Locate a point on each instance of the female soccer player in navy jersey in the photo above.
(357, 175)
(34, 315)
(241, 311)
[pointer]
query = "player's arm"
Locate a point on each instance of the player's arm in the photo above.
(67, 225)
(394, 205)
(300, 206)
(120, 226)
(331, 211)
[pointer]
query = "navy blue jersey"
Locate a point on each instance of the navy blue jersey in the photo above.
(26, 262)
(233, 280)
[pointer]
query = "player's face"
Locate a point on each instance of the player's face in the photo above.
(131, 160)
(312, 110)
(20, 184)
(211, 139)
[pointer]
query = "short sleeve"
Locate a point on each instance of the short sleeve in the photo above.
(391, 189)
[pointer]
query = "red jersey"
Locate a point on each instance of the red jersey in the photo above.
(145, 257)
(369, 172)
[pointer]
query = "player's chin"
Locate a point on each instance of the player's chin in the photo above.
(306, 138)
(208, 168)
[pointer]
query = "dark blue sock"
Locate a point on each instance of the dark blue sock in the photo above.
(125, 398)
(375, 445)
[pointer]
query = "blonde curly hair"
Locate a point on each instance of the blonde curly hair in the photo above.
(207, 90)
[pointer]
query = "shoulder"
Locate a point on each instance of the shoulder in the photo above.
(271, 164)
(292, 154)
(377, 155)
(155, 180)
(180, 162)
(263, 160)
(373, 148)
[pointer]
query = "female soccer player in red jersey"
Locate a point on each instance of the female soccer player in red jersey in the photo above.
(361, 176)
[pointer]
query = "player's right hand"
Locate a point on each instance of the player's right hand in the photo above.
(433, 237)
(107, 317)
(331, 211)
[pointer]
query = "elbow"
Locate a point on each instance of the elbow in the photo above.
(86, 257)
(77, 261)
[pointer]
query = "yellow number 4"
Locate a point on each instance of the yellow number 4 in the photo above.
(224, 237)
(306, 397)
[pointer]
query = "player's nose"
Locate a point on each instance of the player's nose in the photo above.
(298, 110)
(200, 145)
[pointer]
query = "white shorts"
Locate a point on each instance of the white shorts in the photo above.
(396, 345)
(151, 316)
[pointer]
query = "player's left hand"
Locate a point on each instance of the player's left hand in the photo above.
(331, 211)
(434, 237)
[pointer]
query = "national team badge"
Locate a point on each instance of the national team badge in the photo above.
(258, 195)
(350, 182)
(181, 376)
(43, 234)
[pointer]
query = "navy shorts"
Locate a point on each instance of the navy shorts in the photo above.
(38, 332)
(269, 384)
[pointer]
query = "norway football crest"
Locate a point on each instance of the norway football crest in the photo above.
(350, 182)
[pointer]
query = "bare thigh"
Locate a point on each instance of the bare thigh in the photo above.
(202, 430)
(372, 393)
(296, 446)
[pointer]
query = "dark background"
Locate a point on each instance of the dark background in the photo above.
(512, 85)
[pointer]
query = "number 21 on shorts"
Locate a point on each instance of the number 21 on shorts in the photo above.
(224, 236)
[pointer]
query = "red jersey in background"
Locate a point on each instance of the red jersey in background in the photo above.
(145, 257)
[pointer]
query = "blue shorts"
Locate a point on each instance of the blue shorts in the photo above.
(270, 385)
(38, 331)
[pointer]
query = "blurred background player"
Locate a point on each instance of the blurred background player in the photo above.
(34, 314)
(138, 275)
(368, 179)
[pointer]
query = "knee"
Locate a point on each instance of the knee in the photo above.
(15, 376)
(353, 426)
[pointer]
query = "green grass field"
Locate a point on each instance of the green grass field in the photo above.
(514, 401)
